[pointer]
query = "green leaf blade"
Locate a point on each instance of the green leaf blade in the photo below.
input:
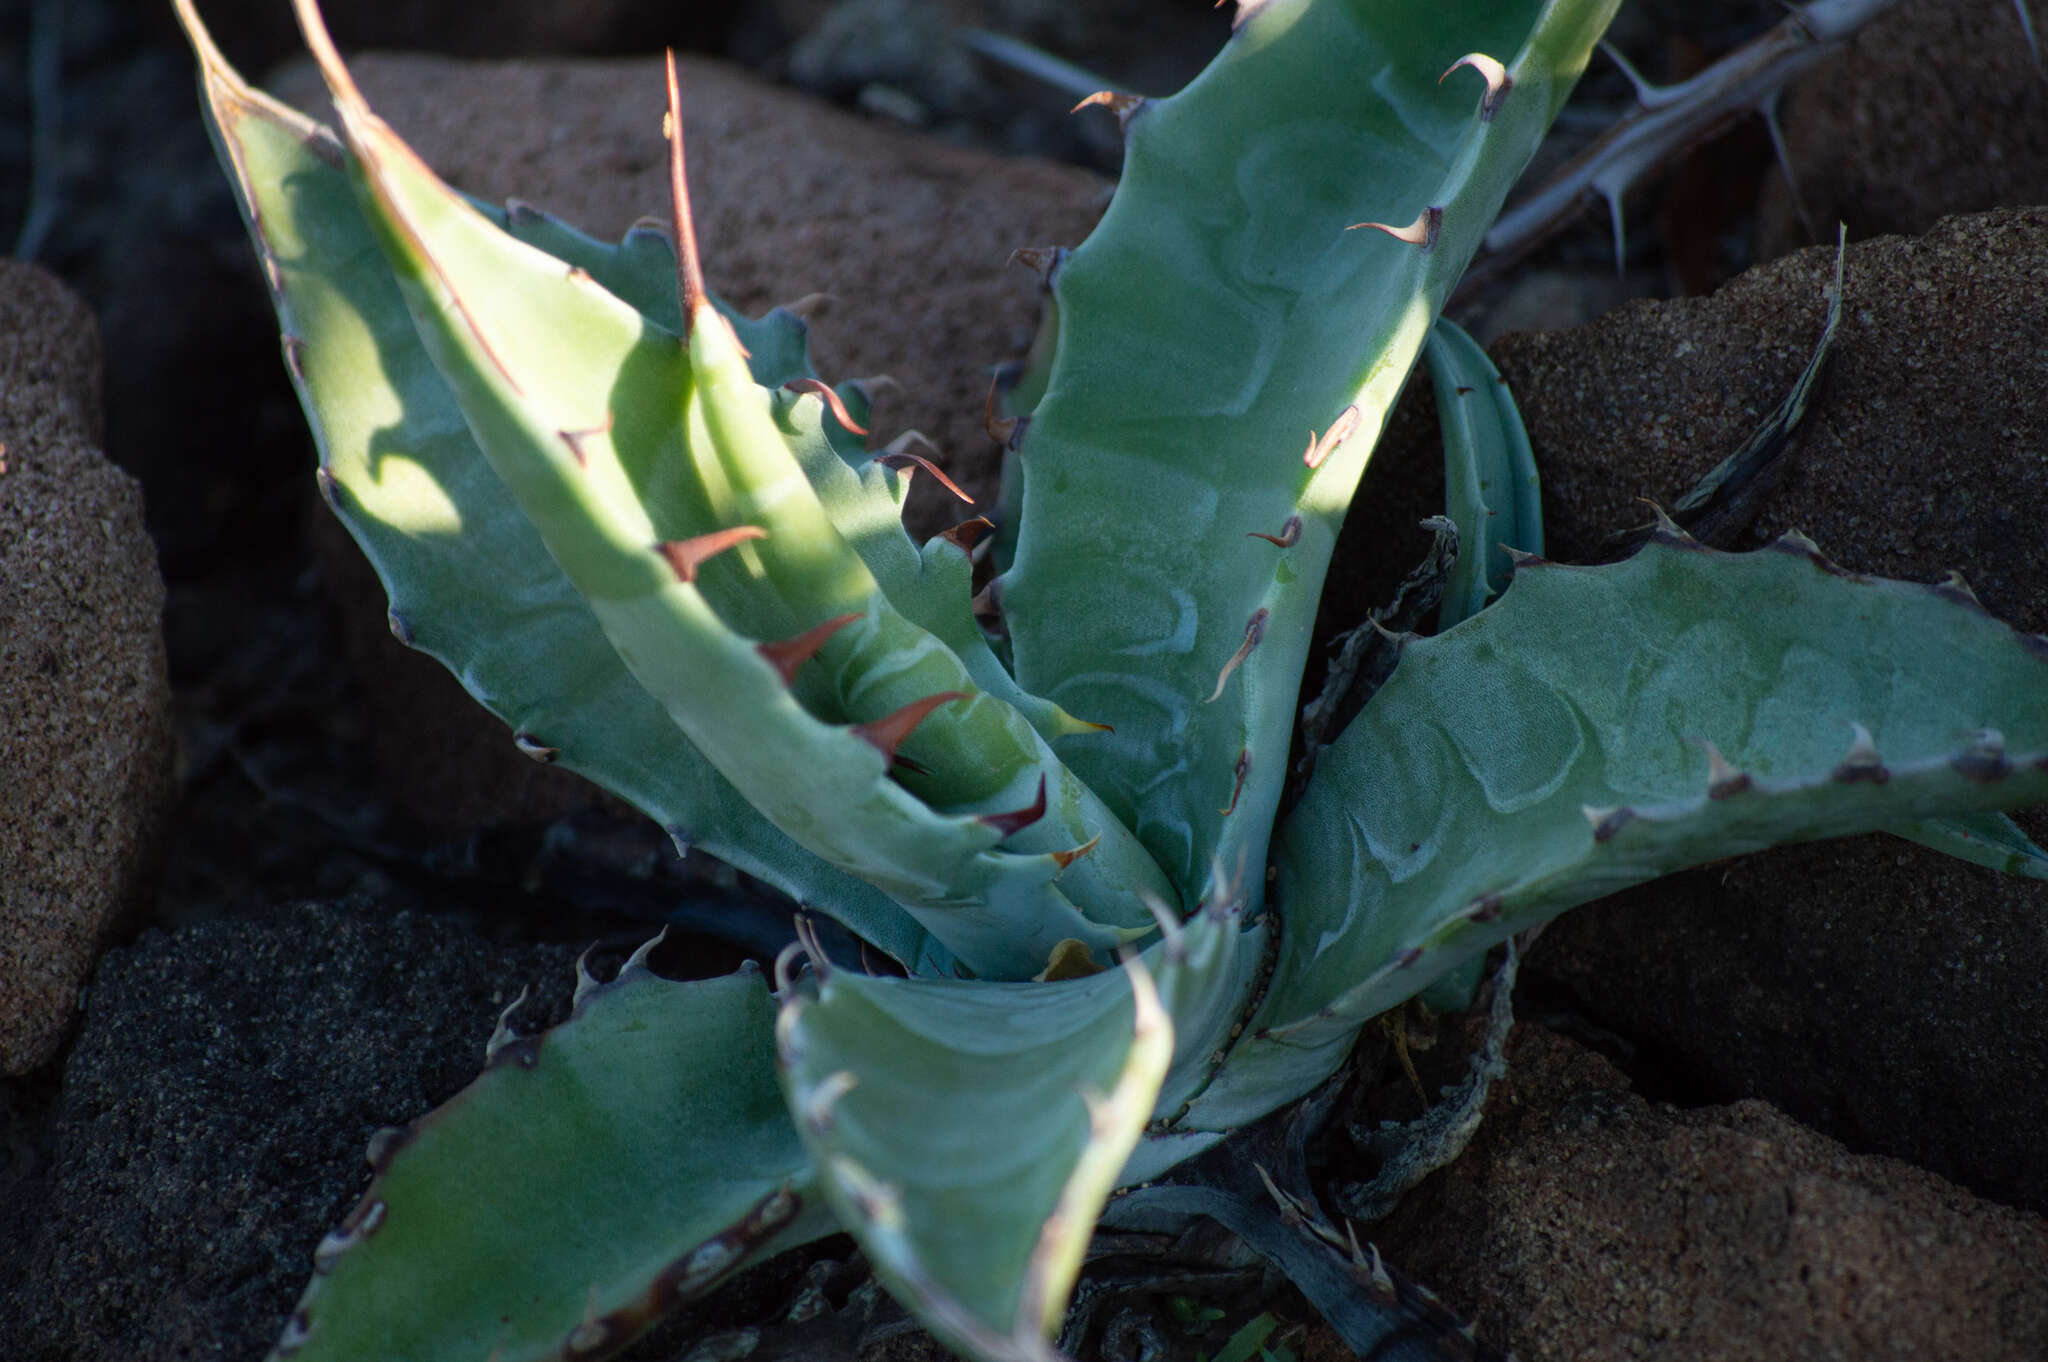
(1220, 311)
(1556, 748)
(592, 1179)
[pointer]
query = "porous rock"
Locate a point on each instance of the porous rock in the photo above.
(1935, 108)
(1877, 990)
(214, 1113)
(84, 704)
(907, 237)
(1586, 1222)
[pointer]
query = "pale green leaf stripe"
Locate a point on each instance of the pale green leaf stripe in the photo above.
(465, 569)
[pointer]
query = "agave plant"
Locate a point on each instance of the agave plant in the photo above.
(647, 536)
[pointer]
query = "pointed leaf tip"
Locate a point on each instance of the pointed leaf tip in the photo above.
(689, 269)
(685, 556)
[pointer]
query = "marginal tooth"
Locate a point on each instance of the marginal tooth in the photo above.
(1339, 431)
(898, 456)
(1017, 819)
(636, 963)
(1241, 770)
(887, 733)
(1521, 558)
(1044, 261)
(791, 653)
(585, 980)
(1125, 107)
(1983, 761)
(785, 969)
(1498, 81)
(807, 937)
(1001, 429)
(968, 533)
(1723, 780)
(1666, 528)
(1422, 232)
(330, 488)
(1170, 931)
(1862, 761)
(1485, 908)
(1290, 531)
(648, 225)
(400, 626)
(1409, 958)
(297, 1330)
(1956, 589)
(1796, 542)
(503, 1035)
(1067, 858)
(575, 438)
(819, 1101)
(384, 1146)
(536, 749)
(1254, 630)
(823, 391)
(1607, 821)
(685, 556)
(1245, 10)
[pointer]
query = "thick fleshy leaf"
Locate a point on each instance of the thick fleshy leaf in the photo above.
(969, 1133)
(641, 460)
(592, 1179)
(1598, 727)
(1220, 311)
(470, 581)
(1490, 486)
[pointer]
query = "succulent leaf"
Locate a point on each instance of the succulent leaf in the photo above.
(1601, 726)
(1490, 481)
(1219, 311)
(574, 397)
(969, 1133)
(590, 1180)
(468, 575)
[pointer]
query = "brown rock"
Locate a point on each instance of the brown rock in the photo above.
(1585, 1222)
(1884, 993)
(1935, 108)
(908, 236)
(84, 704)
